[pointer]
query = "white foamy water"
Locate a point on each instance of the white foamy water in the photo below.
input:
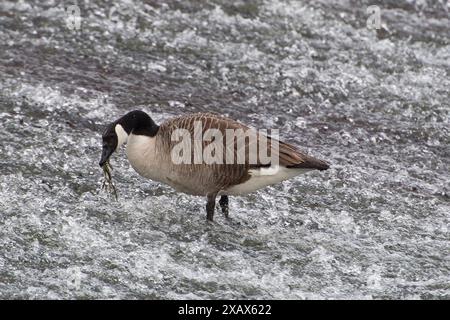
(373, 226)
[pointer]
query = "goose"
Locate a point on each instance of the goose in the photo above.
(157, 152)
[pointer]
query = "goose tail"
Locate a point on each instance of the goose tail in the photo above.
(310, 163)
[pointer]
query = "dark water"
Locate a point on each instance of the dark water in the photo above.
(373, 103)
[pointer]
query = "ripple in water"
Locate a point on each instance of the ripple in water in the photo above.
(374, 226)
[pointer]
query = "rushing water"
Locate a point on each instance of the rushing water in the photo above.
(375, 104)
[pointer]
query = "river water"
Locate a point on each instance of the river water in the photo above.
(374, 103)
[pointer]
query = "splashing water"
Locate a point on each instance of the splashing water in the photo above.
(374, 103)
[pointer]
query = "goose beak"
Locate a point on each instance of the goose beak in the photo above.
(106, 153)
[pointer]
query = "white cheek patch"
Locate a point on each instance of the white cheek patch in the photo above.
(122, 135)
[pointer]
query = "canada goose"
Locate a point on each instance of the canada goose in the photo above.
(152, 151)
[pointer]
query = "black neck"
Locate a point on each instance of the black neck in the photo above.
(138, 123)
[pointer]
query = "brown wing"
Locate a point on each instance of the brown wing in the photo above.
(211, 176)
(236, 171)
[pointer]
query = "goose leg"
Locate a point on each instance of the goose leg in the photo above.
(210, 206)
(224, 205)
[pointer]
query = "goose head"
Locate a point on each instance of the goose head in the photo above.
(116, 134)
